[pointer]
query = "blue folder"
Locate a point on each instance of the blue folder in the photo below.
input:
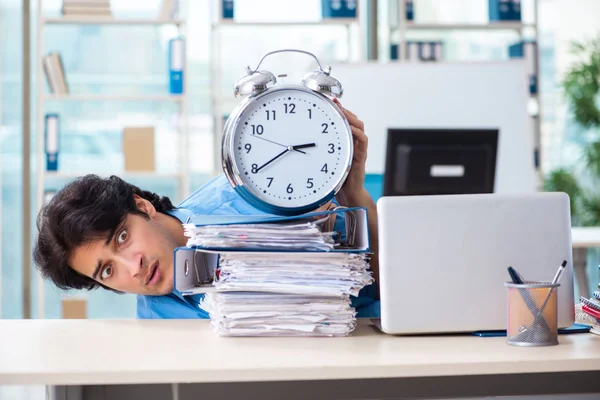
(194, 266)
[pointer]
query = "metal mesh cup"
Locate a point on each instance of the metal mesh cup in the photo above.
(532, 314)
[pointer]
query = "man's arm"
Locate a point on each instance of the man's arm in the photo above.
(353, 192)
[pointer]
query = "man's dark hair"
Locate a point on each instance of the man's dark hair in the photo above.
(87, 209)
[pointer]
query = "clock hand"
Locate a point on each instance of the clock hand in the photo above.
(273, 159)
(303, 146)
(278, 144)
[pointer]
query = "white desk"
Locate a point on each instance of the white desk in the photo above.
(132, 352)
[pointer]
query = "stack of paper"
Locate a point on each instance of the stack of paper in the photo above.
(86, 8)
(290, 236)
(284, 276)
(286, 293)
(318, 274)
(275, 314)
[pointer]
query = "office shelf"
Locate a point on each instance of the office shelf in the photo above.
(401, 27)
(180, 177)
(101, 20)
(113, 97)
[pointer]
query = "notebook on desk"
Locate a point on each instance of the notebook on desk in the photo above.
(443, 259)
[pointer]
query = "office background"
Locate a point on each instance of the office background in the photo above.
(132, 59)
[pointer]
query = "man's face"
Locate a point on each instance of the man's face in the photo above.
(137, 259)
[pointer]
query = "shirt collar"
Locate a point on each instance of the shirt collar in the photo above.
(181, 214)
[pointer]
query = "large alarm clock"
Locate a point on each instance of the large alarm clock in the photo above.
(287, 148)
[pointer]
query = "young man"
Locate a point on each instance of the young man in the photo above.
(108, 233)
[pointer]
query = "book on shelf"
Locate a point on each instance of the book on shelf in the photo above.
(168, 9)
(176, 65)
(527, 50)
(504, 10)
(275, 275)
(138, 149)
(55, 73)
(91, 8)
(339, 8)
(51, 136)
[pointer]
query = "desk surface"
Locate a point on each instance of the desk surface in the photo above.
(585, 237)
(74, 352)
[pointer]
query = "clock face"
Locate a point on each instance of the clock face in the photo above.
(291, 147)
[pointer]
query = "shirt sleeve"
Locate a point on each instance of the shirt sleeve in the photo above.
(167, 307)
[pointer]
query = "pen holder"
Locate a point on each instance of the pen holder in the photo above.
(532, 314)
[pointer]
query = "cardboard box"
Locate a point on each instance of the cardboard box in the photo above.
(138, 149)
(74, 308)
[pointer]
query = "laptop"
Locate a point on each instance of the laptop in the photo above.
(443, 258)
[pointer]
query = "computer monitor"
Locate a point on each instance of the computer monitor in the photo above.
(440, 161)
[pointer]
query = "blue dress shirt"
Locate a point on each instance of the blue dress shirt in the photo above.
(217, 197)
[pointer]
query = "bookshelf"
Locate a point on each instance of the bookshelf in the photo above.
(44, 98)
(401, 26)
(223, 103)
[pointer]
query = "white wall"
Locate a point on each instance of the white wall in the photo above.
(445, 95)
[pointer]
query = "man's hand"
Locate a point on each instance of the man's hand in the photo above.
(353, 192)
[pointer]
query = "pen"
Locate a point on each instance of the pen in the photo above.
(557, 276)
(514, 275)
(559, 272)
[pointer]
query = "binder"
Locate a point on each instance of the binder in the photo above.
(51, 126)
(526, 50)
(339, 8)
(196, 267)
(504, 10)
(227, 9)
(176, 65)
(409, 9)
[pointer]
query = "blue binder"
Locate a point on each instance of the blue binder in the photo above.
(194, 267)
(51, 136)
(176, 65)
(339, 8)
(526, 50)
(409, 8)
(227, 9)
(504, 10)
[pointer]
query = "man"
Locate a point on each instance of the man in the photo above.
(108, 233)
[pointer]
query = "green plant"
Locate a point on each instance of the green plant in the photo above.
(581, 87)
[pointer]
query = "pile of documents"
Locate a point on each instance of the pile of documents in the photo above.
(290, 236)
(276, 314)
(86, 8)
(286, 278)
(305, 273)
